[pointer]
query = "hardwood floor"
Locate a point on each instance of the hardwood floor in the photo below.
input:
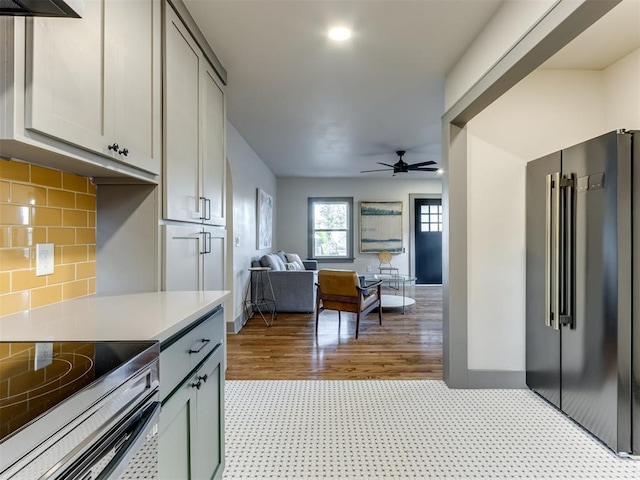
(404, 347)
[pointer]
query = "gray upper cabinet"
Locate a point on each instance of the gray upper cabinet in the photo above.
(92, 81)
(193, 257)
(194, 131)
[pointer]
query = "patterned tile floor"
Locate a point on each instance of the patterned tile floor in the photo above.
(405, 429)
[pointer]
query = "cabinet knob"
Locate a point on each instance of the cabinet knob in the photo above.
(114, 146)
(203, 378)
(124, 151)
(197, 385)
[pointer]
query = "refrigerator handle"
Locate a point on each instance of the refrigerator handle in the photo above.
(552, 249)
(568, 184)
(552, 252)
(547, 251)
(555, 253)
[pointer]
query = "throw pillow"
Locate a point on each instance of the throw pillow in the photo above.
(295, 258)
(291, 266)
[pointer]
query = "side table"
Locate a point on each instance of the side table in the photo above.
(254, 299)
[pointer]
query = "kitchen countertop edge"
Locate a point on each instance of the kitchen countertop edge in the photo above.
(136, 316)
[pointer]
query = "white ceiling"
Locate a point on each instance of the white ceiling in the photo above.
(309, 107)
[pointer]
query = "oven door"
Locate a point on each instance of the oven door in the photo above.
(129, 450)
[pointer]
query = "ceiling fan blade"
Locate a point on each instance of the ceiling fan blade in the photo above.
(422, 164)
(379, 170)
(386, 164)
(424, 169)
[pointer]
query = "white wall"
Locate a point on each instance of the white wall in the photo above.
(504, 29)
(547, 111)
(248, 172)
(292, 211)
(622, 93)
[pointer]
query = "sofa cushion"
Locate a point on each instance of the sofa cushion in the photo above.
(295, 258)
(272, 261)
(282, 256)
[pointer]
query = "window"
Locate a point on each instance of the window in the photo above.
(330, 228)
(430, 218)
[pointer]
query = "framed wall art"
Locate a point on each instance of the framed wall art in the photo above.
(380, 227)
(264, 219)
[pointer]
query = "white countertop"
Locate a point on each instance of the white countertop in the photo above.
(139, 316)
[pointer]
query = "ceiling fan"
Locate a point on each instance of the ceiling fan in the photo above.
(403, 167)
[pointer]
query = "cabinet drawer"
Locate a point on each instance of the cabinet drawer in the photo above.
(185, 351)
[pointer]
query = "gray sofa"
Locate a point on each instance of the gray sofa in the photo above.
(293, 285)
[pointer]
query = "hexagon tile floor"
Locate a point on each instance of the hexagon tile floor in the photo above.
(405, 429)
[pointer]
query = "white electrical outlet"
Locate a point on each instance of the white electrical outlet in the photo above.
(369, 269)
(44, 355)
(44, 259)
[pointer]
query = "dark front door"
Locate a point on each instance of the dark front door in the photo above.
(428, 240)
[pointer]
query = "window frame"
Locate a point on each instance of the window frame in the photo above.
(311, 202)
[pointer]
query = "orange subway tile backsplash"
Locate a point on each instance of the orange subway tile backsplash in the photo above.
(74, 218)
(61, 198)
(74, 182)
(46, 295)
(5, 192)
(11, 170)
(42, 205)
(28, 194)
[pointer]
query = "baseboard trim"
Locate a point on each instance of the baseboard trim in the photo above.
(497, 379)
(236, 325)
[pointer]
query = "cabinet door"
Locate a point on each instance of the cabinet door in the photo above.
(132, 73)
(181, 123)
(213, 260)
(184, 249)
(177, 428)
(64, 77)
(209, 437)
(213, 149)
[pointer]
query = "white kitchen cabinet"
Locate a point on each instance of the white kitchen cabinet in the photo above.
(193, 257)
(92, 81)
(194, 130)
(191, 440)
(70, 88)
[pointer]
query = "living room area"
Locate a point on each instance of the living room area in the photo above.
(407, 345)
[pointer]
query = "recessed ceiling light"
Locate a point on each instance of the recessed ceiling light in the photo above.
(440, 171)
(339, 34)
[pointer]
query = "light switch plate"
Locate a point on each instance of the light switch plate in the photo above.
(44, 259)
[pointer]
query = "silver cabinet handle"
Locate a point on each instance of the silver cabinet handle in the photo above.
(207, 215)
(199, 346)
(204, 208)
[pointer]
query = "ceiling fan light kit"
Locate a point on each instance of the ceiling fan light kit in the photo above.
(403, 167)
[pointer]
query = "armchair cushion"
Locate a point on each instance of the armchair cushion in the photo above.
(341, 290)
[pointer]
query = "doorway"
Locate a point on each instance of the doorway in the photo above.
(428, 240)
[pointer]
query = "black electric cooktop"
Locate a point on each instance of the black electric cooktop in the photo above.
(36, 377)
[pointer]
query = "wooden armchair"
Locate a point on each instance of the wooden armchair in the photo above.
(341, 290)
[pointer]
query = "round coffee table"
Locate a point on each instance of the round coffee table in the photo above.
(396, 301)
(394, 281)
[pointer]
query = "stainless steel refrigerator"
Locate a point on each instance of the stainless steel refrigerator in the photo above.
(583, 326)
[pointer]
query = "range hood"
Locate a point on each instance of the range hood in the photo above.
(42, 8)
